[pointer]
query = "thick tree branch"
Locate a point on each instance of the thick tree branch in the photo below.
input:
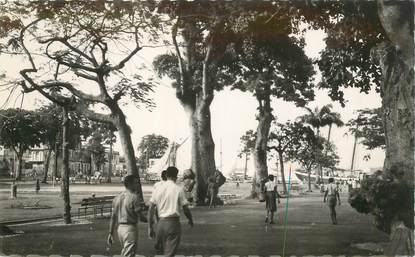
(206, 87)
(182, 70)
(86, 76)
(94, 116)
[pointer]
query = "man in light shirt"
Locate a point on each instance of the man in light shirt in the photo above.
(126, 213)
(168, 199)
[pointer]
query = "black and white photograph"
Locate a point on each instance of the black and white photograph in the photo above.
(208, 128)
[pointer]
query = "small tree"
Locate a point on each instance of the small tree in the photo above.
(285, 138)
(248, 144)
(51, 121)
(151, 146)
(317, 119)
(20, 131)
(96, 148)
(311, 153)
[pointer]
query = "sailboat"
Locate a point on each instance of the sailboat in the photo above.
(177, 154)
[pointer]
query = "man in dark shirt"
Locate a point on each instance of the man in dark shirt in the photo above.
(126, 213)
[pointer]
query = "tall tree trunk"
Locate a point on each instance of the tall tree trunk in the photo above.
(127, 145)
(246, 165)
(196, 100)
(110, 161)
(396, 59)
(55, 161)
(309, 179)
(319, 175)
(46, 166)
(261, 147)
(65, 167)
(284, 185)
(18, 175)
(203, 147)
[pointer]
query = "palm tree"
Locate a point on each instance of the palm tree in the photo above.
(319, 118)
(333, 118)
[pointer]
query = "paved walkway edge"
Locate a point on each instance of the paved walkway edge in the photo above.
(56, 255)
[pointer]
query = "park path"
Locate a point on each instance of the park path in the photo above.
(228, 230)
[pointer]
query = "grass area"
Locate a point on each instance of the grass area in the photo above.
(50, 196)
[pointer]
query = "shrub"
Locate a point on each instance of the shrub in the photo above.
(386, 198)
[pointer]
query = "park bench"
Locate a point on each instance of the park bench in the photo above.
(94, 205)
(227, 196)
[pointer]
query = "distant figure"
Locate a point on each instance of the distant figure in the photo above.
(333, 195)
(168, 199)
(37, 186)
(188, 185)
(213, 191)
(271, 195)
(126, 213)
(237, 184)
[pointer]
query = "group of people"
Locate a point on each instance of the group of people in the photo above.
(271, 196)
(166, 202)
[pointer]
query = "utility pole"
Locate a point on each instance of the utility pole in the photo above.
(246, 165)
(221, 155)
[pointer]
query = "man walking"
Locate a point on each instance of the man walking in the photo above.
(333, 194)
(168, 198)
(126, 213)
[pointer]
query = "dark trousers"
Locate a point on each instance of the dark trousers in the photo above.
(168, 236)
(332, 206)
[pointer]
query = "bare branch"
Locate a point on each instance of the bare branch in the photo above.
(137, 48)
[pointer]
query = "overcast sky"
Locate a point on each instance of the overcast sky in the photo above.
(233, 112)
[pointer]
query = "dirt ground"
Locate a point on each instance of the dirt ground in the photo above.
(235, 229)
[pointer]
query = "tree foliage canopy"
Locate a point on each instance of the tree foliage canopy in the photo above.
(50, 116)
(150, 147)
(20, 130)
(353, 31)
(311, 150)
(368, 125)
